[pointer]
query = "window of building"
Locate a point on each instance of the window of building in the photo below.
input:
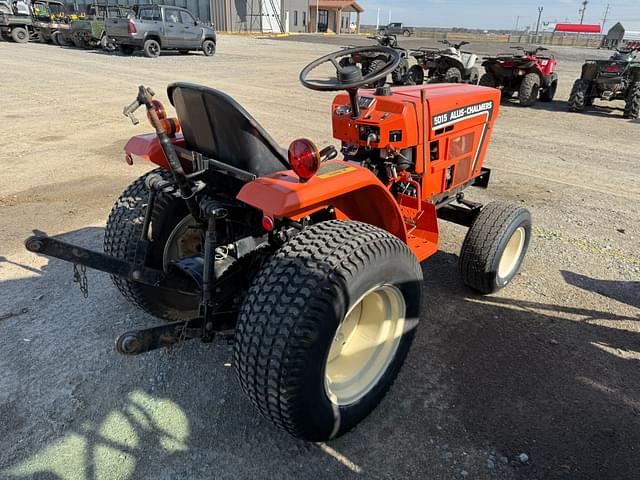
(295, 18)
(304, 19)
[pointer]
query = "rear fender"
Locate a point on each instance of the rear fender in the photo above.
(147, 147)
(353, 191)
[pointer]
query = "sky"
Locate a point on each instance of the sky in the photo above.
(493, 14)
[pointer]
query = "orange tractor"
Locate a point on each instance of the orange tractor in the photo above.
(310, 263)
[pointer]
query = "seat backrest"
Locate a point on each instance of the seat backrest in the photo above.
(217, 126)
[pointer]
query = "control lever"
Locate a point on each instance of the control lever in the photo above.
(328, 153)
(144, 96)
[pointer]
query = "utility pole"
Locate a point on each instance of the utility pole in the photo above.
(517, 23)
(389, 16)
(378, 21)
(540, 9)
(583, 10)
(606, 14)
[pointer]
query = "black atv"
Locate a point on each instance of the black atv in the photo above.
(372, 62)
(615, 79)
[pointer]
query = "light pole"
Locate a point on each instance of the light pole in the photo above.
(317, 13)
(540, 9)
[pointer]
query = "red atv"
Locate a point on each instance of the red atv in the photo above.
(527, 73)
(310, 263)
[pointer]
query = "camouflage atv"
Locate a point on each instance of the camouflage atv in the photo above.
(89, 32)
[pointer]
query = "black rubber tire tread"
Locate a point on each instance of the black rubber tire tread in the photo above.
(577, 101)
(150, 47)
(481, 246)
(632, 106)
(452, 75)
(488, 80)
(529, 89)
(20, 35)
(374, 66)
(287, 310)
(550, 92)
(121, 234)
(415, 75)
(206, 44)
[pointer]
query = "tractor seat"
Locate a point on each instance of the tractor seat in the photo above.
(217, 126)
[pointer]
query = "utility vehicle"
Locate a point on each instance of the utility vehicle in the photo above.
(310, 263)
(51, 22)
(450, 65)
(373, 61)
(15, 22)
(615, 79)
(527, 73)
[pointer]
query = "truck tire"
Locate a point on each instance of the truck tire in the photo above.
(20, 35)
(549, 92)
(577, 97)
(151, 48)
(488, 80)
(529, 89)
(300, 354)
(126, 49)
(415, 76)
(209, 48)
(495, 246)
(632, 106)
(452, 75)
(122, 231)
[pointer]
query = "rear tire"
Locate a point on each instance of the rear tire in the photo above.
(488, 80)
(495, 246)
(452, 75)
(415, 76)
(299, 354)
(151, 48)
(529, 90)
(550, 92)
(209, 48)
(632, 106)
(577, 98)
(371, 67)
(122, 232)
(20, 35)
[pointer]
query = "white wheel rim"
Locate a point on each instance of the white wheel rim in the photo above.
(364, 344)
(511, 254)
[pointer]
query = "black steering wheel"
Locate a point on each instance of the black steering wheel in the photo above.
(349, 77)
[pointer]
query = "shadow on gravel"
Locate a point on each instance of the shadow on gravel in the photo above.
(486, 375)
(561, 106)
(625, 292)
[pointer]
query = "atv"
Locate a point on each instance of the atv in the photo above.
(370, 63)
(615, 79)
(310, 264)
(450, 65)
(529, 74)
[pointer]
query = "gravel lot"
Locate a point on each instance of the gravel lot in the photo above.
(548, 368)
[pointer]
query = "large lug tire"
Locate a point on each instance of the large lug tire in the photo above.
(452, 75)
(529, 89)
(406, 33)
(151, 48)
(20, 35)
(209, 48)
(371, 67)
(488, 80)
(126, 49)
(577, 97)
(415, 76)
(632, 106)
(495, 246)
(549, 92)
(301, 352)
(122, 232)
(474, 76)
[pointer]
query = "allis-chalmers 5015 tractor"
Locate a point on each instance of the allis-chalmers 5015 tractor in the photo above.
(310, 263)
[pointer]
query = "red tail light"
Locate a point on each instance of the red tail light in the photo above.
(304, 158)
(131, 27)
(613, 68)
(268, 223)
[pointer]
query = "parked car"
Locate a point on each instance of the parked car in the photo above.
(161, 27)
(397, 28)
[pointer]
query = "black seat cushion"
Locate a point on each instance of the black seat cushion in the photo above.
(217, 126)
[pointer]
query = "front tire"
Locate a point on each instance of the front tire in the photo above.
(495, 246)
(371, 67)
(452, 75)
(577, 98)
(122, 232)
(326, 327)
(415, 76)
(20, 35)
(529, 90)
(208, 48)
(632, 106)
(488, 80)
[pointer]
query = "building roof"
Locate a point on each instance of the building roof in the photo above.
(578, 28)
(343, 4)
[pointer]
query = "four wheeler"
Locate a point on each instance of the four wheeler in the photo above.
(450, 65)
(15, 21)
(310, 263)
(527, 73)
(615, 79)
(374, 61)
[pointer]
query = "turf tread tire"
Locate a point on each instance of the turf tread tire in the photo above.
(278, 324)
(481, 246)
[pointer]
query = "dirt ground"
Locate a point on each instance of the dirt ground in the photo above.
(538, 381)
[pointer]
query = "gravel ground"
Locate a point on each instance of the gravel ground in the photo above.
(539, 381)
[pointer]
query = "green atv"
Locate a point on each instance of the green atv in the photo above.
(89, 32)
